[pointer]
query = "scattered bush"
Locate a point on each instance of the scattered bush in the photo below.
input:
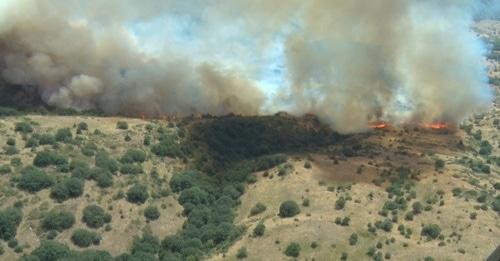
(95, 217)
(48, 158)
(439, 164)
(68, 188)
(122, 125)
(431, 231)
(138, 194)
(131, 169)
(353, 239)
(133, 156)
(5, 169)
(58, 220)
(104, 179)
(11, 142)
(307, 165)
(259, 230)
(64, 135)
(46, 139)
(289, 208)
(23, 127)
(83, 126)
(10, 150)
(103, 160)
(242, 253)
(85, 238)
(293, 250)
(257, 209)
(151, 213)
(10, 218)
(34, 180)
(340, 203)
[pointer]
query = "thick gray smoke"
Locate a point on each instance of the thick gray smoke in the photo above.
(348, 61)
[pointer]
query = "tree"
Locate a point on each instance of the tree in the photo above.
(289, 208)
(259, 230)
(85, 238)
(431, 231)
(417, 208)
(83, 126)
(104, 179)
(34, 180)
(151, 213)
(58, 220)
(193, 195)
(293, 250)
(138, 194)
(95, 217)
(340, 203)
(10, 218)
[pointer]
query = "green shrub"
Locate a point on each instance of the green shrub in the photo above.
(259, 230)
(5, 169)
(439, 164)
(293, 250)
(23, 127)
(49, 251)
(68, 188)
(10, 218)
(353, 239)
(307, 165)
(138, 194)
(133, 156)
(166, 149)
(48, 158)
(10, 150)
(34, 180)
(46, 139)
(104, 179)
(83, 126)
(103, 160)
(242, 253)
(58, 220)
(32, 142)
(95, 217)
(340, 203)
(151, 213)
(131, 169)
(431, 231)
(289, 208)
(193, 195)
(11, 142)
(257, 209)
(64, 135)
(122, 125)
(85, 238)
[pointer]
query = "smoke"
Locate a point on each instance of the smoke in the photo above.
(349, 62)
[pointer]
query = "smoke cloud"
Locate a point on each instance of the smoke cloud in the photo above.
(348, 61)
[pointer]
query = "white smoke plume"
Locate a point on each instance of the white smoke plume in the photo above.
(348, 61)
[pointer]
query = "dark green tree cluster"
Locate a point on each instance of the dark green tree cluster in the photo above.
(289, 208)
(51, 250)
(137, 194)
(64, 135)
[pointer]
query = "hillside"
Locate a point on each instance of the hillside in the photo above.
(364, 195)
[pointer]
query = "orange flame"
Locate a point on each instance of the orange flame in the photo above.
(436, 125)
(377, 125)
